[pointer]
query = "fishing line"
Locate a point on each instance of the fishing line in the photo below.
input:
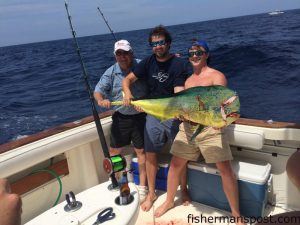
(88, 87)
(111, 31)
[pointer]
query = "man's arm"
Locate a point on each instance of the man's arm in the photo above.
(220, 79)
(10, 205)
(103, 88)
(178, 89)
(105, 103)
(126, 83)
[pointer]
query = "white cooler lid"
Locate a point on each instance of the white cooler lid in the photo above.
(245, 169)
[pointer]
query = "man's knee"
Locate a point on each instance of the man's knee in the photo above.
(151, 156)
(140, 153)
(114, 151)
(225, 169)
(178, 163)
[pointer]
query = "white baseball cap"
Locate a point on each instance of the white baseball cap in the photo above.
(123, 45)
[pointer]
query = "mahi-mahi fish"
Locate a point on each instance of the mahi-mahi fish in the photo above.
(215, 106)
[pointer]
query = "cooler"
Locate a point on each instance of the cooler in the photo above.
(161, 176)
(205, 185)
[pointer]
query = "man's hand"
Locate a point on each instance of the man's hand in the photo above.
(139, 109)
(180, 117)
(10, 205)
(105, 103)
(127, 99)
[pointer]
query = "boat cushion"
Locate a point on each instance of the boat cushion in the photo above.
(245, 137)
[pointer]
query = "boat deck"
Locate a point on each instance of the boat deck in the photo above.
(202, 214)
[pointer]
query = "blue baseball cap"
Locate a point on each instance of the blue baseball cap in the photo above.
(202, 44)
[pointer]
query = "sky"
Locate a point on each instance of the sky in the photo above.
(28, 21)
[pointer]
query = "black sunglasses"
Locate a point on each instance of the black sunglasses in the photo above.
(196, 53)
(158, 43)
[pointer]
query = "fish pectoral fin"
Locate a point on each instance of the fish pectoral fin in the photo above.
(230, 100)
(225, 103)
(198, 131)
(223, 113)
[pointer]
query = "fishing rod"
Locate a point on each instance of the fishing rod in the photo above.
(95, 113)
(111, 31)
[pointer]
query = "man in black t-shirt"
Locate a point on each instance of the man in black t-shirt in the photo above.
(164, 74)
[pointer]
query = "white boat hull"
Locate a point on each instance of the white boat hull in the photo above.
(81, 149)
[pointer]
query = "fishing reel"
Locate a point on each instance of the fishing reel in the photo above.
(114, 164)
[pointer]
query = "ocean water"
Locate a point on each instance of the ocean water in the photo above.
(42, 84)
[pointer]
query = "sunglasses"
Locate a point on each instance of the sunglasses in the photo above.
(197, 53)
(158, 43)
(119, 53)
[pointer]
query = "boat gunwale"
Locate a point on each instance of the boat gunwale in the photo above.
(70, 125)
(51, 131)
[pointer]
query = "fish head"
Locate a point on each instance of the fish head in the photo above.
(230, 109)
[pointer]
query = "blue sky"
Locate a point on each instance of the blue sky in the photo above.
(26, 21)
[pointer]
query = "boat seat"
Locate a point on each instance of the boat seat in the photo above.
(247, 138)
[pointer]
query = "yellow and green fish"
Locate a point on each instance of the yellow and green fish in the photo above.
(215, 106)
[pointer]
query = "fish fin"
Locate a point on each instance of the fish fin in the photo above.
(230, 100)
(225, 103)
(198, 131)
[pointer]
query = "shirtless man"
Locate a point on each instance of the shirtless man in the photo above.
(211, 142)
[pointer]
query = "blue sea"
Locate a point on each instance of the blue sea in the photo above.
(42, 84)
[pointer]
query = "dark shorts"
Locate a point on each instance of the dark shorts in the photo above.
(127, 128)
(158, 133)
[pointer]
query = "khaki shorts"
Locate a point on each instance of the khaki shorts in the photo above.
(211, 143)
